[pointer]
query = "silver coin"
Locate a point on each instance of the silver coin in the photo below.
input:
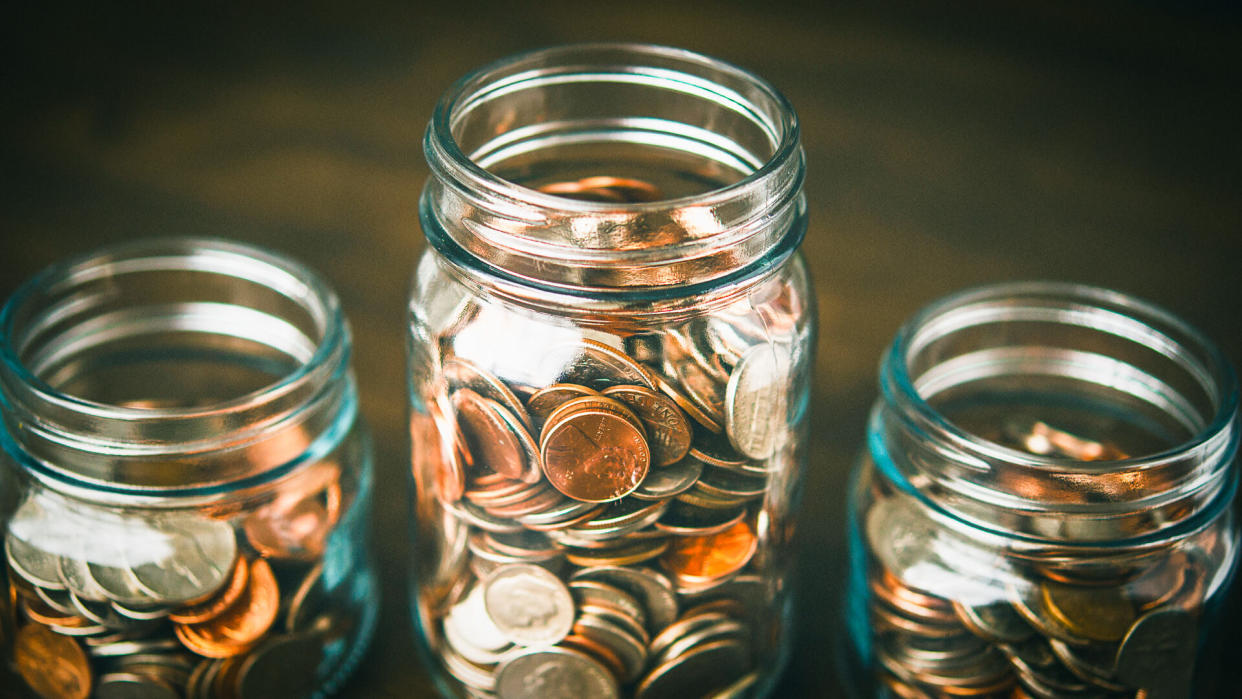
(756, 400)
(202, 552)
(714, 450)
(122, 648)
(466, 672)
(1092, 664)
(285, 666)
(31, 563)
(592, 364)
(730, 484)
(529, 605)
(101, 613)
(619, 638)
(57, 599)
(473, 627)
(554, 673)
(683, 627)
(116, 581)
(652, 588)
(703, 669)
(473, 514)
(996, 621)
(726, 629)
(617, 617)
(567, 510)
(618, 519)
(596, 592)
(140, 613)
(664, 483)
(77, 578)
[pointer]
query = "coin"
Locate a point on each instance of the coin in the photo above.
(756, 400)
(705, 668)
(54, 666)
(621, 638)
(132, 685)
(597, 651)
(1158, 652)
(669, 481)
(687, 520)
(598, 593)
(594, 456)
(221, 601)
(240, 626)
(554, 672)
(549, 398)
(620, 190)
(528, 604)
(283, 666)
(995, 621)
(202, 554)
(488, 436)
(697, 560)
(38, 567)
(667, 428)
(651, 587)
(1098, 614)
(669, 388)
(296, 524)
(462, 374)
(593, 364)
(597, 402)
(624, 555)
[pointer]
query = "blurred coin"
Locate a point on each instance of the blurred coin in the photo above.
(686, 520)
(54, 666)
(132, 685)
(669, 387)
(297, 523)
(462, 374)
(473, 514)
(554, 672)
(651, 587)
(705, 393)
(995, 621)
(201, 556)
(619, 518)
(619, 190)
(240, 626)
(705, 668)
(728, 484)
(664, 483)
(715, 450)
(122, 648)
(594, 456)
(697, 560)
(667, 428)
(468, 673)
(756, 399)
(597, 651)
(1157, 654)
(528, 604)
(603, 594)
(224, 598)
(1028, 603)
(594, 365)
(490, 440)
(283, 666)
(624, 554)
(1098, 614)
(619, 638)
(38, 567)
(1093, 664)
(549, 398)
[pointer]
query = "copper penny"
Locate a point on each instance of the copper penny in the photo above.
(594, 456)
(463, 374)
(222, 600)
(698, 560)
(668, 429)
(240, 626)
(297, 523)
(597, 402)
(54, 666)
(668, 388)
(547, 399)
(488, 437)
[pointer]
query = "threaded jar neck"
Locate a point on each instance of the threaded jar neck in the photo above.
(1058, 412)
(613, 169)
(171, 366)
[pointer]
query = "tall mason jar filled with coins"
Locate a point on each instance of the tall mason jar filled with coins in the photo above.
(1044, 508)
(190, 478)
(610, 340)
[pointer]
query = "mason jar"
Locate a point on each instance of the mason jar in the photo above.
(191, 479)
(610, 341)
(1044, 507)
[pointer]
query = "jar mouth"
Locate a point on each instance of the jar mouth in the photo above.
(1093, 414)
(722, 143)
(120, 364)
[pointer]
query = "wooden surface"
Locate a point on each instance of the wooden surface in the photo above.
(946, 147)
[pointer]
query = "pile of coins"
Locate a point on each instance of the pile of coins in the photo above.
(600, 531)
(970, 626)
(113, 603)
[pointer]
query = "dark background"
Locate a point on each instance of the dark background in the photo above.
(947, 146)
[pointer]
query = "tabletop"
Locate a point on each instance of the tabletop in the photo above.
(947, 146)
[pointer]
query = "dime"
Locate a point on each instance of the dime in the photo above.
(554, 672)
(669, 481)
(696, 560)
(1095, 613)
(528, 604)
(489, 437)
(240, 626)
(756, 401)
(594, 456)
(602, 594)
(53, 665)
(705, 668)
(714, 450)
(668, 430)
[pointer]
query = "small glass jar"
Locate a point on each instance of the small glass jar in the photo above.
(191, 479)
(610, 342)
(1044, 507)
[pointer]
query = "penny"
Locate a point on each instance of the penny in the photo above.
(221, 601)
(594, 456)
(240, 626)
(705, 668)
(554, 672)
(669, 481)
(667, 428)
(549, 398)
(202, 552)
(1098, 614)
(669, 388)
(462, 374)
(488, 436)
(755, 401)
(651, 587)
(54, 666)
(529, 605)
(297, 523)
(594, 365)
(696, 560)
(597, 402)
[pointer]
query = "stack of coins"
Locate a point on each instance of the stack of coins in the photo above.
(600, 531)
(953, 619)
(175, 603)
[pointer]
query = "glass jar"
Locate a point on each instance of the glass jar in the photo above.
(610, 342)
(1044, 505)
(192, 479)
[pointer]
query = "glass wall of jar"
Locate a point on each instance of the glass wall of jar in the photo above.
(192, 477)
(1044, 508)
(610, 341)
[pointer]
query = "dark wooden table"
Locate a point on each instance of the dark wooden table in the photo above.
(947, 146)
